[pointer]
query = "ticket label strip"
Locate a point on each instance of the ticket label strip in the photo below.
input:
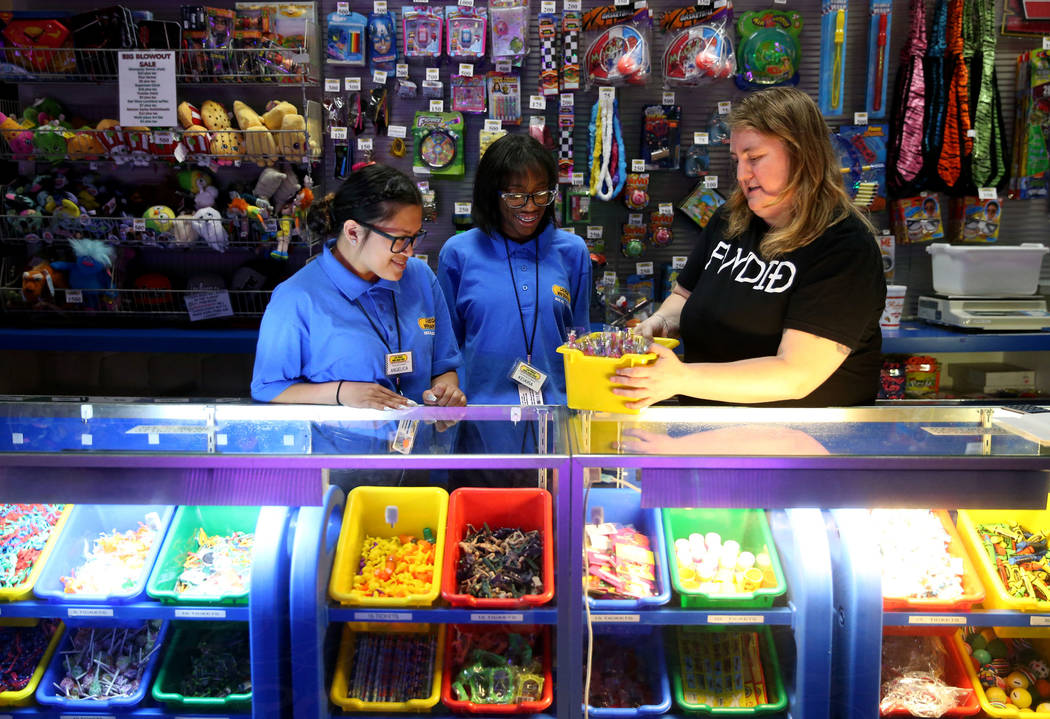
(548, 31)
(571, 22)
(566, 128)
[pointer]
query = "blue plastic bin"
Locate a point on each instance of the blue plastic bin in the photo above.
(624, 506)
(85, 524)
(649, 644)
(49, 695)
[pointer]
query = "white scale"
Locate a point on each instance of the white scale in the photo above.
(986, 313)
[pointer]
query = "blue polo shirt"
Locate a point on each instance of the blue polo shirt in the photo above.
(479, 284)
(314, 331)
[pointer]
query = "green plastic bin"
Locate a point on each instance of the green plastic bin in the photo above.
(749, 527)
(176, 664)
(776, 697)
(180, 541)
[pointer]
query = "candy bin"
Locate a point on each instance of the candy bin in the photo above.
(206, 556)
(722, 558)
(206, 667)
(922, 377)
(105, 553)
(28, 534)
(497, 669)
(26, 650)
(628, 673)
(499, 548)
(925, 676)
(590, 362)
(726, 672)
(389, 667)
(390, 547)
(1000, 542)
(1011, 677)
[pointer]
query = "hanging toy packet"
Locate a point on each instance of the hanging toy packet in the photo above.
(698, 49)
(618, 41)
(509, 20)
(769, 49)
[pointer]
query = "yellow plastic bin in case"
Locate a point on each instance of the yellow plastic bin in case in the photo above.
(24, 696)
(24, 589)
(344, 668)
(587, 378)
(388, 512)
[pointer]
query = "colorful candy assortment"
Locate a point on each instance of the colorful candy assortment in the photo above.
(116, 560)
(914, 678)
(916, 561)
(24, 530)
(496, 667)
(1019, 558)
(620, 563)
(104, 664)
(721, 669)
(21, 649)
(219, 566)
(613, 343)
(618, 676)
(219, 665)
(707, 564)
(501, 563)
(395, 566)
(392, 667)
(1010, 670)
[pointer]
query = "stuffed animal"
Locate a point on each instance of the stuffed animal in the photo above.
(267, 185)
(260, 147)
(93, 269)
(184, 232)
(40, 281)
(159, 218)
(208, 223)
(292, 142)
(51, 142)
(275, 112)
(17, 135)
(84, 145)
(111, 137)
(201, 185)
(195, 134)
(284, 194)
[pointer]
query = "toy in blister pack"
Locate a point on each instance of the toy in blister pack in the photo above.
(346, 38)
(878, 48)
(833, 20)
(465, 29)
(636, 191)
(422, 32)
(632, 241)
(382, 41)
(768, 53)
(697, 161)
(661, 136)
(437, 143)
(862, 156)
(293, 24)
(571, 21)
(661, 229)
(618, 43)
(487, 137)
(917, 219)
(549, 23)
(578, 205)
(468, 93)
(504, 97)
(700, 204)
(509, 24)
(718, 128)
(698, 49)
(974, 219)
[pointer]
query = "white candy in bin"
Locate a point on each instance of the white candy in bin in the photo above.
(986, 271)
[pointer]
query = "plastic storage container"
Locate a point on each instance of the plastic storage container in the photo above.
(181, 540)
(24, 590)
(451, 670)
(587, 378)
(340, 690)
(525, 509)
(749, 527)
(49, 695)
(368, 513)
(650, 648)
(86, 523)
(998, 710)
(973, 592)
(776, 697)
(177, 653)
(24, 696)
(955, 675)
(997, 270)
(624, 506)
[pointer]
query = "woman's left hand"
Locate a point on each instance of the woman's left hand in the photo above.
(444, 395)
(648, 384)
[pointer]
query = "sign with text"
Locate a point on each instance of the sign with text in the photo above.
(147, 88)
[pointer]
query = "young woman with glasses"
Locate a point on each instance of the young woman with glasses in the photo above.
(366, 324)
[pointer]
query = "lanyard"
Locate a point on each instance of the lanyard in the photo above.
(382, 337)
(529, 341)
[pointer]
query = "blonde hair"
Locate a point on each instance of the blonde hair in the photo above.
(815, 186)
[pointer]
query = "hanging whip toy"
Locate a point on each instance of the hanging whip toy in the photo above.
(608, 163)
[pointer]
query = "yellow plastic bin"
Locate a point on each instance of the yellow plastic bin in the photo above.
(587, 378)
(24, 590)
(1042, 646)
(344, 668)
(369, 511)
(995, 594)
(24, 696)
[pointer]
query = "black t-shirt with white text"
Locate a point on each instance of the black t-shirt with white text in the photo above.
(741, 304)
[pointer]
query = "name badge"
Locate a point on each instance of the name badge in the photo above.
(528, 376)
(398, 363)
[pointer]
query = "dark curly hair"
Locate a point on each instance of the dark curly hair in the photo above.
(370, 194)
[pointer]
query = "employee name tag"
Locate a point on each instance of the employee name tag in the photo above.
(528, 376)
(398, 363)
(405, 436)
(529, 397)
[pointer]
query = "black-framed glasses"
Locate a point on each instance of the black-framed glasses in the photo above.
(397, 243)
(517, 200)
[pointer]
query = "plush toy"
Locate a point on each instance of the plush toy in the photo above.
(284, 194)
(42, 111)
(50, 142)
(275, 112)
(201, 185)
(267, 185)
(194, 133)
(292, 143)
(17, 135)
(159, 218)
(226, 144)
(138, 140)
(84, 145)
(260, 147)
(93, 269)
(112, 139)
(301, 206)
(39, 283)
(208, 223)
(285, 223)
(184, 232)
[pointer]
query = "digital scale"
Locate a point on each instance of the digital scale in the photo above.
(985, 313)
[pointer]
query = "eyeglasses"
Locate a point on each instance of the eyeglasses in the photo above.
(517, 200)
(397, 243)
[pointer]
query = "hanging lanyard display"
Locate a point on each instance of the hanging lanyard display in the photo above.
(529, 379)
(397, 363)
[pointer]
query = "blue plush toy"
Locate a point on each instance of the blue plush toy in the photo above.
(93, 269)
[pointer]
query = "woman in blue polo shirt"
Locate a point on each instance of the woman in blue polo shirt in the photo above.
(365, 324)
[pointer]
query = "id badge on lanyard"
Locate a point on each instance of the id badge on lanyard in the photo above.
(530, 383)
(398, 363)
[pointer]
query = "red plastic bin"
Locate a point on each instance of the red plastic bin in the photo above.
(526, 509)
(973, 591)
(955, 674)
(452, 669)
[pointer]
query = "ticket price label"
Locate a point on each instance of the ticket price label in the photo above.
(594, 232)
(678, 262)
(566, 100)
(919, 619)
(466, 3)
(735, 619)
(138, 225)
(711, 182)
(537, 102)
(548, 6)
(352, 84)
(616, 618)
(607, 92)
(200, 613)
(609, 278)
(379, 6)
(493, 125)
(74, 297)
(503, 66)
(379, 77)
(401, 69)
(577, 178)
(462, 208)
(364, 143)
(342, 8)
(634, 218)
(496, 617)
(397, 131)
(860, 118)
(643, 269)
(437, 105)
(637, 165)
(576, 5)
(332, 84)
(433, 74)
(382, 616)
(701, 138)
(89, 612)
(667, 98)
(466, 69)
(724, 107)
(666, 208)
(987, 193)
(1037, 621)
(1046, 42)
(338, 133)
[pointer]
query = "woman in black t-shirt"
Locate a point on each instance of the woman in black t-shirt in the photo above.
(779, 303)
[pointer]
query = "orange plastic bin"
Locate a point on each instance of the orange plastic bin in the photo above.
(955, 675)
(525, 509)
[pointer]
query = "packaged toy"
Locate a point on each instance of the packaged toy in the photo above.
(768, 53)
(700, 204)
(421, 32)
(509, 23)
(618, 45)
(346, 39)
(698, 49)
(917, 219)
(465, 29)
(437, 144)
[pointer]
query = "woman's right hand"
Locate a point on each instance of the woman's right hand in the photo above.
(371, 396)
(654, 326)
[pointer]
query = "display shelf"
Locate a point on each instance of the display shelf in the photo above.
(975, 618)
(160, 339)
(742, 618)
(918, 337)
(157, 712)
(132, 610)
(442, 615)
